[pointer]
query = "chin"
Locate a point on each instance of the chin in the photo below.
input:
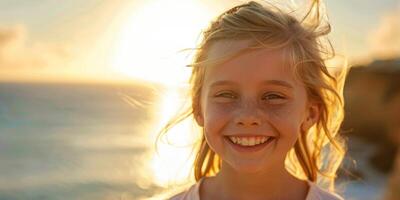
(249, 168)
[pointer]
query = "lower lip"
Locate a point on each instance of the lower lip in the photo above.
(249, 149)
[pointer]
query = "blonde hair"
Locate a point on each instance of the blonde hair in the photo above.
(270, 27)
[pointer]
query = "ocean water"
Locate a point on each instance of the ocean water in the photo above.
(85, 141)
(69, 141)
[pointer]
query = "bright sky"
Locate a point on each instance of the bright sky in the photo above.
(113, 40)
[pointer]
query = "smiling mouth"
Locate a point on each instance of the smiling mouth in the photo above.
(250, 141)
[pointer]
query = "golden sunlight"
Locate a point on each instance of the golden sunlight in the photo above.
(148, 49)
(171, 164)
(149, 43)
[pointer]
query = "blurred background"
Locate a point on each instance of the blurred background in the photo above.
(85, 85)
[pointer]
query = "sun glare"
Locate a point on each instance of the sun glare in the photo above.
(148, 49)
(150, 42)
(171, 164)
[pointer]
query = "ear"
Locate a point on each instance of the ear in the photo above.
(199, 120)
(198, 115)
(312, 116)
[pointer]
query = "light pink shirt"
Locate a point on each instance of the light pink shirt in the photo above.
(314, 193)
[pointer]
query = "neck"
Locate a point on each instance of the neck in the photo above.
(272, 183)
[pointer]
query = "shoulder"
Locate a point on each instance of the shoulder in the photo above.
(190, 194)
(318, 193)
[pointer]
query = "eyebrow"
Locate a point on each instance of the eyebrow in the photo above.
(266, 82)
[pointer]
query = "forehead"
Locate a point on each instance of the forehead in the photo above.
(247, 65)
(226, 47)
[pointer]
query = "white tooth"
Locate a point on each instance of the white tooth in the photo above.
(238, 141)
(258, 140)
(245, 142)
(264, 139)
(252, 141)
(249, 141)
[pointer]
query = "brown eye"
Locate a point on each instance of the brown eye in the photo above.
(228, 95)
(274, 98)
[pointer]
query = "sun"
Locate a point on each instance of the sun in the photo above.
(149, 44)
(147, 49)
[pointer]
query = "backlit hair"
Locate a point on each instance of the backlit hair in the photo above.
(318, 152)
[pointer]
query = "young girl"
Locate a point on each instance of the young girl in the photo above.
(268, 107)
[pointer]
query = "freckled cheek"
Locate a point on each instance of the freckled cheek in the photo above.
(287, 120)
(215, 119)
(216, 116)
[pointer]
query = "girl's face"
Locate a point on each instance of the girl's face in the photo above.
(252, 108)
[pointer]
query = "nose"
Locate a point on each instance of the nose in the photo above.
(249, 115)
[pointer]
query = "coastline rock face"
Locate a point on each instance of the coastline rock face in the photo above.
(393, 191)
(372, 104)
